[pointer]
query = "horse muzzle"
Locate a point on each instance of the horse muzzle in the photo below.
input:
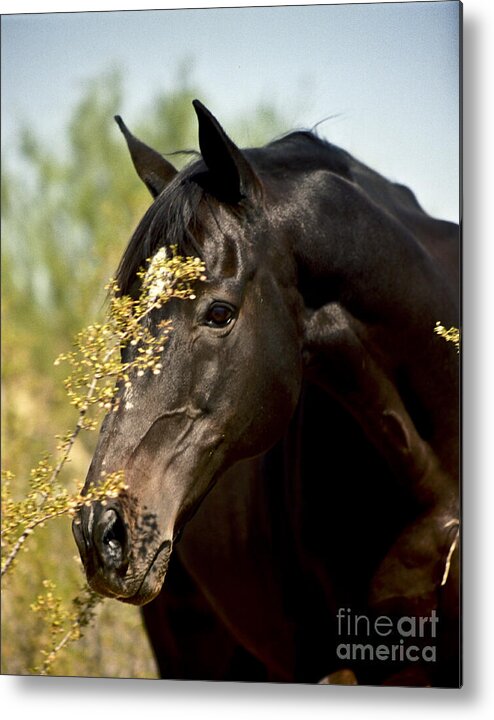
(104, 543)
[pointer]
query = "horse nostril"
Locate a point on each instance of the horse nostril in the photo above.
(110, 538)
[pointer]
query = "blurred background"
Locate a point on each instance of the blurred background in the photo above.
(384, 78)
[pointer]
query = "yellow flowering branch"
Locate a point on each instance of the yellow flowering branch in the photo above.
(69, 625)
(451, 334)
(97, 371)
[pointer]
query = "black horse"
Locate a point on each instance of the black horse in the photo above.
(304, 435)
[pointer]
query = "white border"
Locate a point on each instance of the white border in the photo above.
(55, 698)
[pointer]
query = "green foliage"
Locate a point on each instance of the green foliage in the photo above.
(67, 213)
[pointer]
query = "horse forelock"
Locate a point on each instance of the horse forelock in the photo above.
(173, 220)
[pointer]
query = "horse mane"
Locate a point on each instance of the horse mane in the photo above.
(174, 218)
(304, 150)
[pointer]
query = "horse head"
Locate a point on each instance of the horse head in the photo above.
(226, 391)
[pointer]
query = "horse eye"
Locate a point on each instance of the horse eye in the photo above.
(219, 315)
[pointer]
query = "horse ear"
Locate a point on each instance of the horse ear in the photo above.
(232, 176)
(152, 168)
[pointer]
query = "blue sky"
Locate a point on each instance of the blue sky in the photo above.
(388, 71)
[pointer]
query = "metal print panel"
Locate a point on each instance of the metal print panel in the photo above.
(272, 487)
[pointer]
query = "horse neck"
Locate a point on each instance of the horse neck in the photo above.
(348, 249)
(330, 495)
